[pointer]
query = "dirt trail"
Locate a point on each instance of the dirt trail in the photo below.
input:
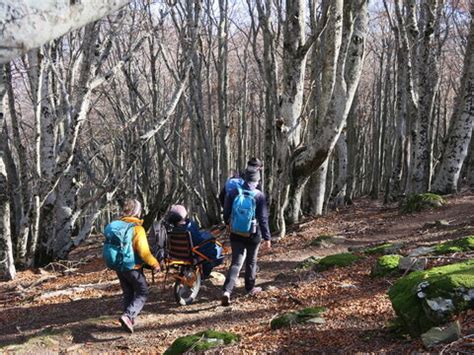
(358, 308)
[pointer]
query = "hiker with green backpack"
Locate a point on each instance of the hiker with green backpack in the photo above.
(246, 215)
(126, 251)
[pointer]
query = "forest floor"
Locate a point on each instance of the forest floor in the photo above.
(74, 306)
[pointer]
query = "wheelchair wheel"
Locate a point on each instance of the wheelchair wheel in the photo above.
(187, 285)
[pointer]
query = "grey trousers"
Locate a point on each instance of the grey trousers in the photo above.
(238, 257)
(135, 291)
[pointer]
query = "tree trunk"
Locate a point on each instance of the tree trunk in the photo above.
(351, 56)
(7, 266)
(28, 24)
(428, 80)
(460, 130)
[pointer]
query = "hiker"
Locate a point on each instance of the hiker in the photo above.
(126, 251)
(246, 215)
(237, 179)
(177, 217)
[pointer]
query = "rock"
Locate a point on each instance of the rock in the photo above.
(422, 251)
(412, 264)
(326, 241)
(201, 341)
(455, 246)
(271, 288)
(420, 202)
(441, 223)
(386, 265)
(437, 335)
(424, 299)
(308, 262)
(346, 285)
(316, 320)
(341, 260)
(217, 278)
(384, 249)
(304, 315)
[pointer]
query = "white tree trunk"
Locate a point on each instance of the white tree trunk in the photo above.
(460, 131)
(428, 80)
(347, 79)
(7, 266)
(340, 186)
(28, 24)
(318, 192)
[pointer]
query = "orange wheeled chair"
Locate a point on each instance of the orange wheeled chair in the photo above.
(186, 257)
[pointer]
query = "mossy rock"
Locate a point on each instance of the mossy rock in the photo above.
(322, 241)
(456, 246)
(341, 260)
(424, 299)
(201, 341)
(304, 315)
(386, 265)
(420, 202)
(308, 263)
(384, 249)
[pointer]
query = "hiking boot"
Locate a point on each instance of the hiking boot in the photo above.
(254, 291)
(126, 323)
(225, 300)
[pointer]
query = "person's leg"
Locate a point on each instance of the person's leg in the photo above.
(251, 266)
(127, 290)
(238, 250)
(206, 269)
(137, 279)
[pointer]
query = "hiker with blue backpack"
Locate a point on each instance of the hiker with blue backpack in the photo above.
(237, 179)
(246, 215)
(126, 251)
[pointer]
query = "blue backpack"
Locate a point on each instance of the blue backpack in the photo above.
(233, 183)
(118, 251)
(243, 212)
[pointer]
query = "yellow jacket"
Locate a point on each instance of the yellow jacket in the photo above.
(140, 243)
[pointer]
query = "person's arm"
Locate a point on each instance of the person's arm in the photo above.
(229, 198)
(140, 245)
(261, 214)
(222, 196)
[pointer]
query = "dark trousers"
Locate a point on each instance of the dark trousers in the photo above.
(135, 291)
(238, 257)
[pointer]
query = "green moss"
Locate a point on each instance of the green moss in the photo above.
(287, 319)
(201, 341)
(308, 262)
(420, 202)
(456, 246)
(341, 260)
(386, 265)
(321, 240)
(444, 281)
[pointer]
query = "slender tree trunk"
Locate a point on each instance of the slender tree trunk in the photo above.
(7, 266)
(428, 81)
(340, 186)
(222, 86)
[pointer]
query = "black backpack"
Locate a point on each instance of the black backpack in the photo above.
(157, 238)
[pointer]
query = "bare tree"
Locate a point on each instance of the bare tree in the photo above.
(460, 130)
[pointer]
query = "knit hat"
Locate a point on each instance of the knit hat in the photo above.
(252, 174)
(255, 162)
(132, 208)
(176, 214)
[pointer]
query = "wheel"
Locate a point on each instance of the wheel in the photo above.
(187, 285)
